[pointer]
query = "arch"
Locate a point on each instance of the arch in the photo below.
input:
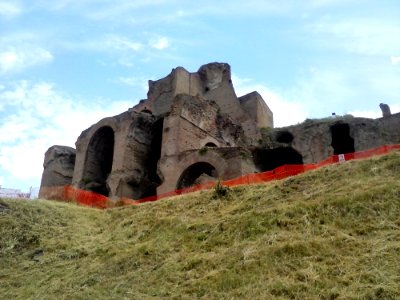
(284, 137)
(99, 161)
(269, 159)
(342, 142)
(210, 145)
(194, 172)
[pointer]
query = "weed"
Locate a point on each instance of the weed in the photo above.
(219, 190)
(203, 150)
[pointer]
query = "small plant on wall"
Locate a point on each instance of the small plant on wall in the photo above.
(203, 150)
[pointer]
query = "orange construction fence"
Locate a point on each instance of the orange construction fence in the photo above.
(87, 198)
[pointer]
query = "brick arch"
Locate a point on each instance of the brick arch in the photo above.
(210, 145)
(99, 160)
(86, 136)
(210, 158)
(210, 142)
(84, 177)
(192, 173)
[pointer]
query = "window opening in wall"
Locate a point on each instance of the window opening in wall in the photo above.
(342, 142)
(269, 159)
(195, 174)
(99, 160)
(210, 145)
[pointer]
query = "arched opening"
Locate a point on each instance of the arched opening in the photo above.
(99, 160)
(269, 159)
(153, 157)
(284, 137)
(342, 142)
(210, 145)
(197, 173)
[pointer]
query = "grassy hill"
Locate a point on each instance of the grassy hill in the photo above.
(333, 233)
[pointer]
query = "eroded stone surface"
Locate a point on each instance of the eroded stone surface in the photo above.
(193, 128)
(317, 139)
(59, 164)
(385, 110)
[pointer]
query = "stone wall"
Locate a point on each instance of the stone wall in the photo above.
(317, 139)
(193, 128)
(58, 168)
(131, 154)
(256, 107)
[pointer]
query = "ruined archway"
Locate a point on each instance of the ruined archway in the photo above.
(153, 157)
(99, 160)
(342, 142)
(194, 173)
(269, 159)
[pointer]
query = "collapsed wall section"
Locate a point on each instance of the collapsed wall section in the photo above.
(315, 140)
(212, 82)
(58, 169)
(259, 111)
(139, 176)
(114, 156)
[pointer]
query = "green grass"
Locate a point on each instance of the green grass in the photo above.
(333, 233)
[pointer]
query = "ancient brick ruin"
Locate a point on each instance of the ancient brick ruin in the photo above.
(193, 128)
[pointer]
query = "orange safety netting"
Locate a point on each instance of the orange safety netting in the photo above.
(87, 198)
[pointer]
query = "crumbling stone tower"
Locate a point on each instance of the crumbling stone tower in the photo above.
(191, 128)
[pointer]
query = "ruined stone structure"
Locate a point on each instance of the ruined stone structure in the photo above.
(193, 128)
(314, 140)
(385, 110)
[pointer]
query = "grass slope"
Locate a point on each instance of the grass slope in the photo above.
(333, 233)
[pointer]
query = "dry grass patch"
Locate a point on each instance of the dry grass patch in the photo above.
(333, 233)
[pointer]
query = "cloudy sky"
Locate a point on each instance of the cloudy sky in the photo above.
(66, 64)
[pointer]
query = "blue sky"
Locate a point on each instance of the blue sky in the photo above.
(66, 64)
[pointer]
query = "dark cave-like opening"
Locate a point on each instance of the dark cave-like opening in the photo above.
(154, 156)
(342, 142)
(210, 145)
(99, 161)
(284, 137)
(192, 173)
(269, 159)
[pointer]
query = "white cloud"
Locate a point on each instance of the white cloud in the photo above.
(373, 114)
(14, 59)
(9, 9)
(320, 92)
(134, 81)
(285, 112)
(361, 36)
(122, 43)
(38, 116)
(159, 43)
(108, 10)
(324, 3)
(395, 60)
